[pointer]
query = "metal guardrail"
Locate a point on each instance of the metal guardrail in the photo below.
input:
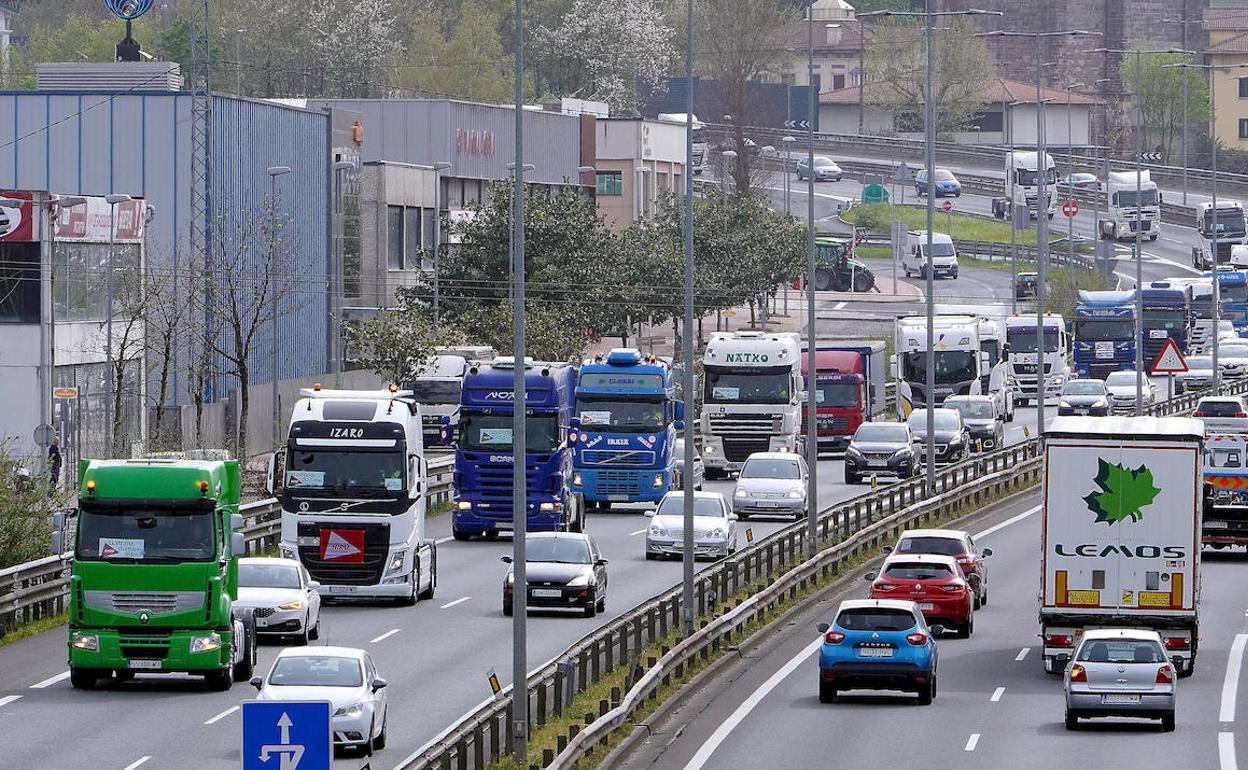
(39, 589)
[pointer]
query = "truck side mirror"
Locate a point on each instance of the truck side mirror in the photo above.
(680, 410)
(277, 472)
(236, 522)
(417, 469)
(574, 422)
(892, 366)
(238, 544)
(444, 435)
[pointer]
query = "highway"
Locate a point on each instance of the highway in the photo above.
(995, 705)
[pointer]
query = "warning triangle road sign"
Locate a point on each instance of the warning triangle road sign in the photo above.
(1170, 361)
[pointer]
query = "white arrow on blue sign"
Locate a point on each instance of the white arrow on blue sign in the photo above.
(298, 733)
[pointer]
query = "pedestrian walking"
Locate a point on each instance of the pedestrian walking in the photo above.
(55, 461)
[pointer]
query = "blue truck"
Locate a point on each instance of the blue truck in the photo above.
(1167, 315)
(1233, 297)
(1104, 333)
(628, 420)
(483, 501)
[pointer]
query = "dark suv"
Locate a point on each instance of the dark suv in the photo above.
(884, 448)
(1025, 285)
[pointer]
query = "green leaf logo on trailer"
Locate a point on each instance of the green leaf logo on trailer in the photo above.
(1124, 492)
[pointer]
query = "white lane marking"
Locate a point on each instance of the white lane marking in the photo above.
(137, 762)
(1230, 682)
(996, 694)
(384, 636)
(730, 724)
(638, 532)
(840, 305)
(971, 742)
(50, 681)
(222, 715)
(457, 601)
(1172, 263)
(6, 700)
(1226, 751)
(442, 540)
(1006, 523)
(1022, 653)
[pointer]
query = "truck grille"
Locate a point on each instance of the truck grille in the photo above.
(340, 572)
(133, 602)
(619, 483)
(729, 424)
(738, 448)
(637, 458)
(153, 646)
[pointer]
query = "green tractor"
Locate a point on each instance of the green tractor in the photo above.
(837, 270)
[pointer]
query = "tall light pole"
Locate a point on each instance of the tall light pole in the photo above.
(812, 421)
(336, 275)
(438, 168)
(1096, 199)
(1042, 203)
(788, 154)
(112, 201)
(274, 310)
(519, 433)
(686, 596)
(238, 62)
(929, 136)
(1184, 23)
(1070, 172)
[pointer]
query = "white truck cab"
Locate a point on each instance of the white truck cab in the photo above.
(752, 388)
(960, 364)
(1125, 213)
(943, 259)
(1022, 184)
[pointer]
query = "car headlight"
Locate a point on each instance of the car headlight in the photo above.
(657, 531)
(795, 493)
(464, 505)
(740, 492)
(904, 452)
(579, 580)
(88, 642)
(577, 481)
(1102, 402)
(1064, 404)
(295, 605)
(551, 506)
(206, 643)
(852, 452)
(716, 533)
(396, 563)
(355, 709)
(658, 481)
(955, 440)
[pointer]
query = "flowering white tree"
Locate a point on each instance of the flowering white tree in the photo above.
(355, 40)
(610, 47)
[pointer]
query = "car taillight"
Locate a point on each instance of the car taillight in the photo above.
(1078, 674)
(1241, 414)
(834, 637)
(1177, 643)
(884, 586)
(952, 589)
(1198, 414)
(1057, 640)
(917, 638)
(1165, 675)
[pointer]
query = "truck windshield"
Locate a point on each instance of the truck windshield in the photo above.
(1126, 198)
(1230, 222)
(492, 432)
(1170, 320)
(1030, 178)
(436, 391)
(747, 385)
(1228, 293)
(1104, 329)
(837, 394)
(1024, 340)
(1203, 307)
(620, 415)
(145, 535)
(993, 349)
(951, 366)
(337, 472)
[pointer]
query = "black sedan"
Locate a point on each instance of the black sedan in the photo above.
(951, 437)
(564, 570)
(1084, 397)
(1025, 285)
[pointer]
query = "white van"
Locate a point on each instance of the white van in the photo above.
(944, 255)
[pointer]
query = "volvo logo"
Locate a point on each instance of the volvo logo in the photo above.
(144, 617)
(303, 506)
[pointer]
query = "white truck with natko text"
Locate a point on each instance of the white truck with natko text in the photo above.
(1121, 532)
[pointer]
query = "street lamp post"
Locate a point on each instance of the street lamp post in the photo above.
(1070, 173)
(1183, 25)
(438, 168)
(687, 569)
(336, 275)
(112, 201)
(272, 279)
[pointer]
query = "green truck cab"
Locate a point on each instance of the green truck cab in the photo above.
(155, 573)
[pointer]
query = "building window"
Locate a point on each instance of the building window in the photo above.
(1243, 128)
(788, 78)
(411, 236)
(610, 183)
(394, 237)
(20, 283)
(429, 221)
(1243, 88)
(82, 268)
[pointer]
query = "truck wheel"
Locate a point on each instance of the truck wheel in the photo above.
(823, 280)
(410, 599)
(84, 678)
(244, 669)
(1190, 668)
(578, 523)
(459, 534)
(433, 579)
(865, 281)
(219, 680)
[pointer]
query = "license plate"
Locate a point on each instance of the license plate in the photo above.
(926, 606)
(877, 463)
(618, 498)
(1119, 700)
(547, 593)
(768, 504)
(1080, 411)
(1215, 525)
(505, 525)
(341, 589)
(148, 664)
(875, 652)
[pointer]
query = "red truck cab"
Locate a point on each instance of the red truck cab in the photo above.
(840, 395)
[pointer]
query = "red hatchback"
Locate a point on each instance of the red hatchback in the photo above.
(935, 583)
(950, 542)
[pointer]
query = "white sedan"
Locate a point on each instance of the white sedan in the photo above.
(284, 599)
(714, 526)
(1233, 358)
(344, 676)
(1121, 388)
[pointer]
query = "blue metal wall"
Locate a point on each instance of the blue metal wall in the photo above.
(139, 143)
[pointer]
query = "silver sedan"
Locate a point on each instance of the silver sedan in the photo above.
(1120, 672)
(714, 527)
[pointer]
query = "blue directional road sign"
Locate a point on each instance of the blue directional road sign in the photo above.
(297, 734)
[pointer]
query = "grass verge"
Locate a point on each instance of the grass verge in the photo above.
(438, 510)
(966, 227)
(36, 627)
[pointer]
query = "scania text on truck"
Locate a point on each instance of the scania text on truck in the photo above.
(351, 481)
(484, 463)
(154, 576)
(1022, 184)
(1125, 213)
(1229, 228)
(849, 390)
(1225, 521)
(960, 364)
(1104, 333)
(751, 397)
(629, 418)
(1121, 532)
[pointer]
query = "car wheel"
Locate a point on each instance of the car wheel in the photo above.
(304, 633)
(1072, 721)
(507, 609)
(928, 693)
(380, 743)
(369, 744)
(966, 629)
(315, 633)
(591, 610)
(983, 600)
(602, 604)
(1167, 722)
(827, 692)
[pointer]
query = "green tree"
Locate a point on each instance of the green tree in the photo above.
(27, 501)
(395, 344)
(1159, 94)
(76, 37)
(468, 60)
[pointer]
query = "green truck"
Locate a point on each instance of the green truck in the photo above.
(155, 573)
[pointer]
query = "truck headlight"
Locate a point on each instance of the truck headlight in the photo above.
(658, 481)
(88, 642)
(708, 450)
(551, 507)
(396, 563)
(292, 605)
(287, 551)
(206, 643)
(577, 481)
(350, 711)
(464, 505)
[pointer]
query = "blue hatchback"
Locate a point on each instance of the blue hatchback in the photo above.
(877, 644)
(946, 183)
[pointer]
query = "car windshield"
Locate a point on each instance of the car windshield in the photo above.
(621, 415)
(1200, 362)
(674, 505)
(917, 571)
(436, 391)
(268, 575)
(1122, 379)
(1220, 408)
(145, 535)
(945, 419)
(952, 366)
(1120, 651)
(1024, 340)
(747, 385)
(1232, 351)
(1084, 388)
(339, 471)
(943, 175)
(882, 434)
(492, 432)
(975, 410)
(821, 161)
(564, 550)
(769, 468)
(876, 619)
(316, 671)
(840, 394)
(939, 249)
(945, 546)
